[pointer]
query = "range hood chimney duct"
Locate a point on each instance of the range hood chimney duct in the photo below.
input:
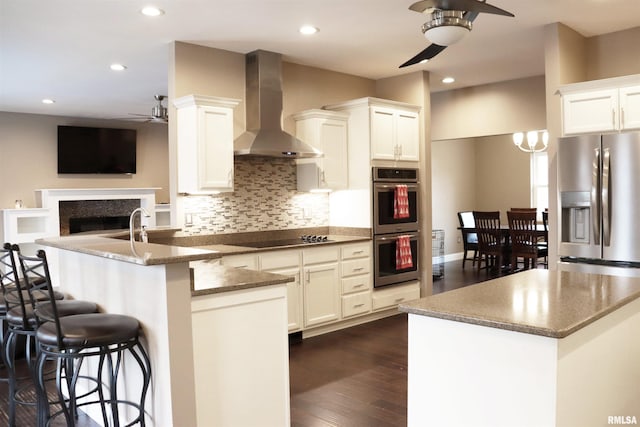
(264, 135)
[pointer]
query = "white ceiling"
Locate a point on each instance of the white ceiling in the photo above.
(62, 49)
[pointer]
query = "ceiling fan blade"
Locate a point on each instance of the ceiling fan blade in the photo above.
(463, 5)
(428, 53)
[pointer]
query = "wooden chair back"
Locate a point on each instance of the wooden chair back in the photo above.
(488, 229)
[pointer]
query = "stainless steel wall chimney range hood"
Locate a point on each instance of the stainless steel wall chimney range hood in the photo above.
(264, 135)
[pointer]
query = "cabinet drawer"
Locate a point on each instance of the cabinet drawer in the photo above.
(279, 259)
(320, 255)
(356, 304)
(356, 250)
(356, 266)
(395, 295)
(241, 261)
(356, 283)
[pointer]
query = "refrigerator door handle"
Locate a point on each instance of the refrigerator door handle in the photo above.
(606, 198)
(595, 197)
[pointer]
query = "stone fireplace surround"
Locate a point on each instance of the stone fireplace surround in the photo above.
(64, 203)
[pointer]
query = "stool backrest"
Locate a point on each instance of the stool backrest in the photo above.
(15, 296)
(37, 281)
(7, 267)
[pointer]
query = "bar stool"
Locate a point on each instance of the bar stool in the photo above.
(69, 340)
(6, 282)
(22, 297)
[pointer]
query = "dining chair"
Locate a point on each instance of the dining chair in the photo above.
(469, 239)
(492, 245)
(524, 239)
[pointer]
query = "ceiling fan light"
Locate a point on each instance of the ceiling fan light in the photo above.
(446, 27)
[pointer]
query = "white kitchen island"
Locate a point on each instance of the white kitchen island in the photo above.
(219, 354)
(537, 348)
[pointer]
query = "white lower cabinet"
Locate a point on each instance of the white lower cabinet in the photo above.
(248, 261)
(356, 279)
(356, 304)
(331, 283)
(287, 263)
(394, 295)
(321, 282)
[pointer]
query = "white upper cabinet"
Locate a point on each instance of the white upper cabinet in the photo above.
(395, 134)
(594, 111)
(326, 131)
(630, 107)
(608, 105)
(205, 144)
(390, 129)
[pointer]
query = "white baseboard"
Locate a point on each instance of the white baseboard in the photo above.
(449, 257)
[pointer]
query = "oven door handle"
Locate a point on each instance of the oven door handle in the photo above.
(411, 236)
(393, 186)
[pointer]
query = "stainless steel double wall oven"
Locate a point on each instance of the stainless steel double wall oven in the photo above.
(388, 228)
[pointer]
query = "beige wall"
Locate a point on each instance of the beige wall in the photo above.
(502, 175)
(492, 109)
(453, 171)
(308, 87)
(28, 147)
(613, 55)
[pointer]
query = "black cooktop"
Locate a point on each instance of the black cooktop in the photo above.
(283, 242)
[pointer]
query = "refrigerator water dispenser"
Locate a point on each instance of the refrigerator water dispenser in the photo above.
(576, 214)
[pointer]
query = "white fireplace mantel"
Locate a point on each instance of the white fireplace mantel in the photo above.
(50, 199)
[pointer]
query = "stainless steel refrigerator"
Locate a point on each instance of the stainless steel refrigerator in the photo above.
(599, 185)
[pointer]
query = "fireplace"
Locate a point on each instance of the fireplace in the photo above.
(77, 216)
(92, 223)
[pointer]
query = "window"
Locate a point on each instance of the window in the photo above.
(540, 181)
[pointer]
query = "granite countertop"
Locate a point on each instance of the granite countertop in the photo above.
(143, 254)
(225, 279)
(114, 244)
(540, 302)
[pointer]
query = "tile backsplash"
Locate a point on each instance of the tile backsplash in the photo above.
(265, 198)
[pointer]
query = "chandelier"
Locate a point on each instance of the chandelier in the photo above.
(532, 141)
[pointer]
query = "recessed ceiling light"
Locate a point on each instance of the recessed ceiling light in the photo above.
(118, 67)
(448, 80)
(308, 30)
(152, 11)
(48, 101)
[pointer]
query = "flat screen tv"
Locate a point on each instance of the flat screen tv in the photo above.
(87, 150)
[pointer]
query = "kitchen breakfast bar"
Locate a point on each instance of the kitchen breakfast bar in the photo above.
(537, 348)
(219, 353)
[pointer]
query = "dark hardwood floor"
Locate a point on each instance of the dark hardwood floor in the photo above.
(354, 377)
(358, 376)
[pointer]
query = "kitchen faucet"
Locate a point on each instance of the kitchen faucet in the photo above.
(143, 231)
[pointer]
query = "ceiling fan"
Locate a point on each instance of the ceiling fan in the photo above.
(158, 112)
(450, 21)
